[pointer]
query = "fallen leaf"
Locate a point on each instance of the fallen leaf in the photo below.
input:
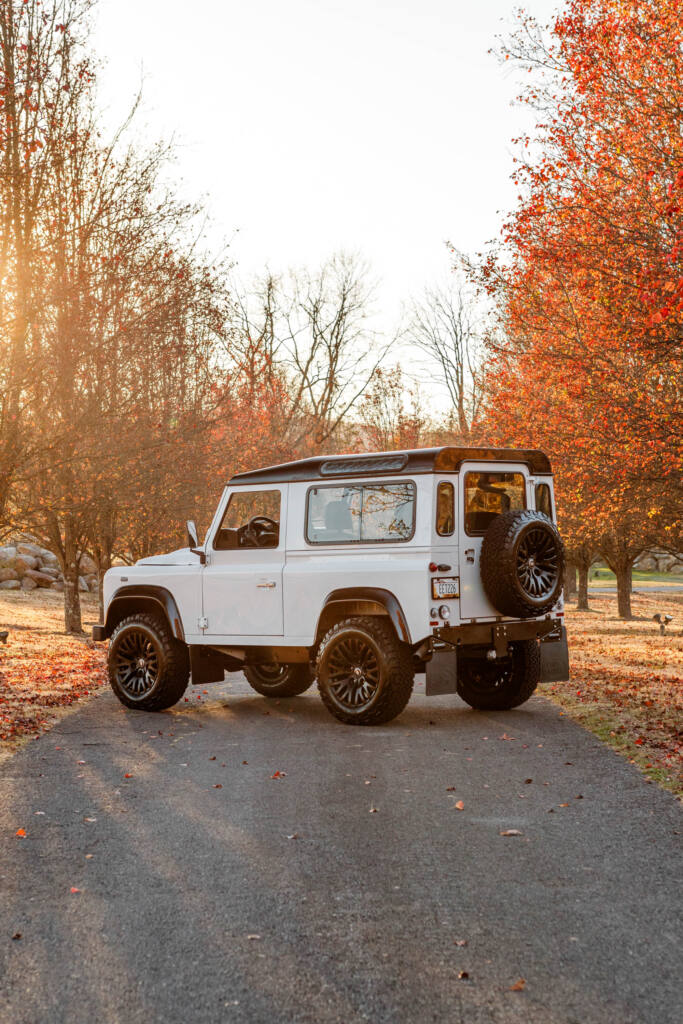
(527, 781)
(218, 785)
(518, 986)
(74, 889)
(90, 819)
(21, 833)
(212, 758)
(16, 936)
(373, 810)
(88, 856)
(252, 938)
(277, 774)
(245, 762)
(563, 805)
(294, 835)
(128, 775)
(463, 975)
(511, 832)
(459, 942)
(459, 805)
(450, 789)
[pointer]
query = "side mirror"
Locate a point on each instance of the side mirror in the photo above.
(192, 538)
(193, 541)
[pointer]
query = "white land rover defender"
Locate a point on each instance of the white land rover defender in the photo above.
(357, 572)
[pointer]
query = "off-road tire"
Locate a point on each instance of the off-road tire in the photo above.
(395, 671)
(290, 682)
(502, 564)
(173, 663)
(518, 676)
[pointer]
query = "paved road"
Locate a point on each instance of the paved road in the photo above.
(195, 906)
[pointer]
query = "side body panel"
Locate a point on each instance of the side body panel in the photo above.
(313, 571)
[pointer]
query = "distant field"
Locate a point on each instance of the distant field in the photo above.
(604, 577)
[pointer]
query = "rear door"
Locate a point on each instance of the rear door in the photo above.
(485, 491)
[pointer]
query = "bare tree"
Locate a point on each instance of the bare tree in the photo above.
(443, 323)
(309, 334)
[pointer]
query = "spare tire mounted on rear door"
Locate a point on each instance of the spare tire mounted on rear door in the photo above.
(522, 564)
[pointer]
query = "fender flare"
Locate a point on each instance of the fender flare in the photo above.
(164, 598)
(372, 595)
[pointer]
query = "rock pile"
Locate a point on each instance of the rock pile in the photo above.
(27, 566)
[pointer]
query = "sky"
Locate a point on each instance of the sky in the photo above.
(309, 126)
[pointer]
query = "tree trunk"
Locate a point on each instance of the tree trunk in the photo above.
(569, 581)
(623, 574)
(583, 588)
(71, 570)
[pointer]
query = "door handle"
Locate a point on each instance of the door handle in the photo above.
(266, 586)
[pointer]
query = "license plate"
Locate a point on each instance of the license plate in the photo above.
(445, 586)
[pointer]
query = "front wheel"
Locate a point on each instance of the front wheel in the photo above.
(273, 680)
(365, 674)
(148, 668)
(503, 683)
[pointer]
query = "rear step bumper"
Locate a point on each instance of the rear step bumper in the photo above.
(498, 634)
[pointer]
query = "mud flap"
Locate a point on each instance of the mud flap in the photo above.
(206, 665)
(555, 659)
(442, 673)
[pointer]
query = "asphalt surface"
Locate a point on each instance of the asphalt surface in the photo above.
(195, 904)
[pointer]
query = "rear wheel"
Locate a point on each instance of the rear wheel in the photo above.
(365, 674)
(148, 668)
(273, 680)
(503, 683)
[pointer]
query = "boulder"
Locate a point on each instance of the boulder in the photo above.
(677, 569)
(24, 548)
(47, 558)
(646, 564)
(58, 585)
(41, 579)
(28, 584)
(22, 563)
(10, 585)
(49, 570)
(83, 584)
(87, 565)
(8, 574)
(7, 554)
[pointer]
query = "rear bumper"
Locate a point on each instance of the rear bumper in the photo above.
(99, 632)
(497, 634)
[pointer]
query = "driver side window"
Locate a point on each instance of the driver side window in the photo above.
(251, 520)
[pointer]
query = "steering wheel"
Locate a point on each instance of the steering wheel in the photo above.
(257, 531)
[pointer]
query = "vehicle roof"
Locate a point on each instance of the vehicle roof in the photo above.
(419, 460)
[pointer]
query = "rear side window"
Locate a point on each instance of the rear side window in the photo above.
(445, 509)
(360, 513)
(543, 501)
(489, 494)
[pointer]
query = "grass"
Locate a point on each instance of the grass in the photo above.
(627, 682)
(626, 678)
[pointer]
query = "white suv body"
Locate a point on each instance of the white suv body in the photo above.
(393, 539)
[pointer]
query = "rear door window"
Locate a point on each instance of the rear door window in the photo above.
(360, 513)
(489, 494)
(543, 500)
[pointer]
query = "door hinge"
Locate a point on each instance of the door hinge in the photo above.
(203, 622)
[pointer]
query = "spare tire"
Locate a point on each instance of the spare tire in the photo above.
(522, 564)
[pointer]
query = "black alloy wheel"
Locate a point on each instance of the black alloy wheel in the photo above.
(537, 562)
(136, 662)
(364, 673)
(273, 680)
(148, 667)
(353, 671)
(522, 564)
(501, 683)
